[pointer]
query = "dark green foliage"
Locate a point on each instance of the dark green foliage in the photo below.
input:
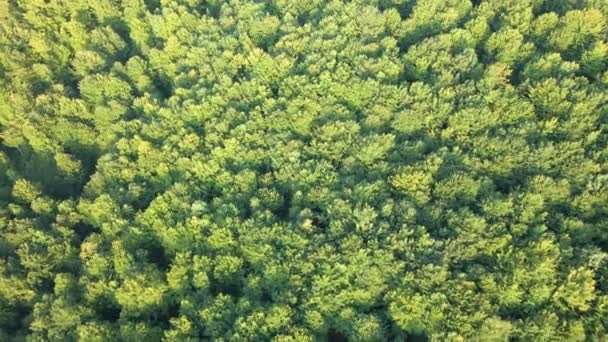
(310, 170)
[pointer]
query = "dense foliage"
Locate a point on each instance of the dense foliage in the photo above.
(303, 170)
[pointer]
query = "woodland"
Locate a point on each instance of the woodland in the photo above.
(303, 170)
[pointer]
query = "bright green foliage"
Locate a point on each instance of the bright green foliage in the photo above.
(303, 170)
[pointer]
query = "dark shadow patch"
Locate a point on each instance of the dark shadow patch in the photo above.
(39, 86)
(87, 17)
(157, 256)
(283, 212)
(319, 219)
(109, 312)
(163, 318)
(266, 297)
(417, 337)
(83, 230)
(163, 86)
(14, 318)
(516, 312)
(405, 9)
(46, 285)
(211, 8)
(451, 164)
(233, 289)
(336, 336)
(124, 32)
(558, 6)
(152, 5)
(41, 168)
(506, 184)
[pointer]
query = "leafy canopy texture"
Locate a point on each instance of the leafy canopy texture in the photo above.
(303, 170)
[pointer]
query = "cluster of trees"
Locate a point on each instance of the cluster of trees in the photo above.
(303, 170)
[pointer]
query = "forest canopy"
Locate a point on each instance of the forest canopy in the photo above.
(303, 170)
